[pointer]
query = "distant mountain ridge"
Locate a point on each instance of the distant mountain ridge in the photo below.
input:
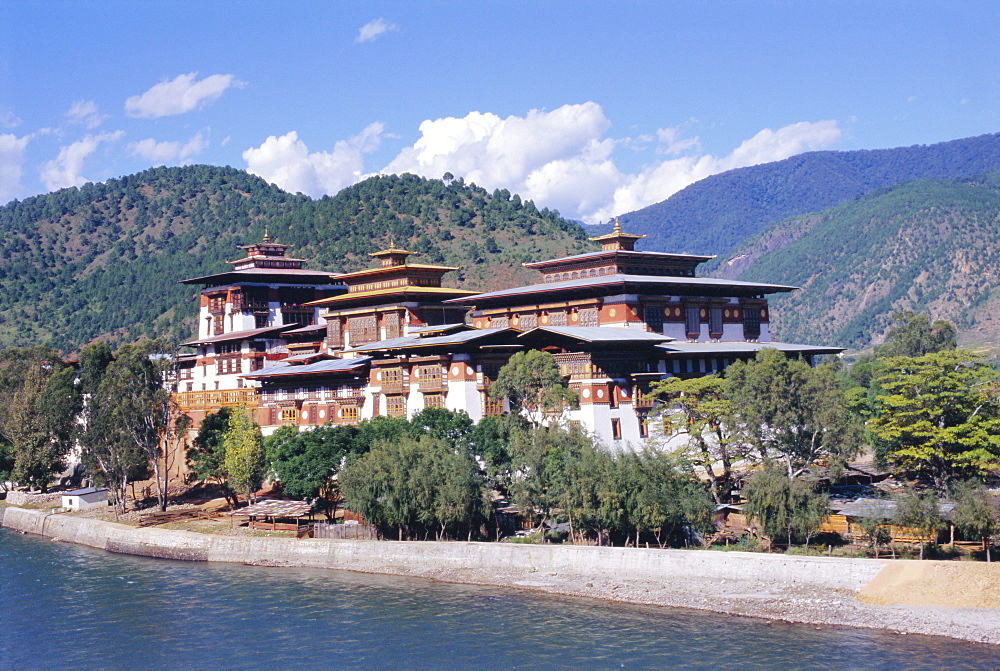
(103, 261)
(718, 213)
(932, 246)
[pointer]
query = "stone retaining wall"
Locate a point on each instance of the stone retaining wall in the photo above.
(403, 557)
(19, 498)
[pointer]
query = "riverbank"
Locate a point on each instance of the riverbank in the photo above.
(956, 599)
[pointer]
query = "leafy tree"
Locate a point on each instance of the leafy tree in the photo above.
(919, 511)
(306, 463)
(783, 506)
(109, 454)
(938, 416)
(699, 411)
(532, 384)
(793, 413)
(454, 428)
(415, 484)
(243, 445)
(913, 335)
(207, 455)
(876, 532)
(38, 406)
(6, 464)
(975, 515)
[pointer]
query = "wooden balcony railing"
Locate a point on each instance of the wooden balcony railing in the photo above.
(200, 400)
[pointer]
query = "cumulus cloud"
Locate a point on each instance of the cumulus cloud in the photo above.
(11, 162)
(8, 119)
(562, 159)
(168, 152)
(85, 113)
(181, 94)
(66, 169)
(374, 29)
(287, 162)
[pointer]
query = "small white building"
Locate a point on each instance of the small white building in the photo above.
(81, 499)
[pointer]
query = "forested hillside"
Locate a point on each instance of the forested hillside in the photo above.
(932, 246)
(717, 214)
(105, 259)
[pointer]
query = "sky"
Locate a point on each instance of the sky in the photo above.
(592, 108)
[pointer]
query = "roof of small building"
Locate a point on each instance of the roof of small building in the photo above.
(884, 508)
(630, 254)
(274, 508)
(413, 342)
(85, 491)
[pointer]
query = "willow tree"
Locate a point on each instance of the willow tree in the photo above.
(244, 460)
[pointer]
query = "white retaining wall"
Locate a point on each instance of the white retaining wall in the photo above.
(391, 556)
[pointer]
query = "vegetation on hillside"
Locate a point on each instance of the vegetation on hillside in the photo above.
(929, 246)
(103, 261)
(715, 215)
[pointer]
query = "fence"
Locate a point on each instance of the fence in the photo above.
(349, 532)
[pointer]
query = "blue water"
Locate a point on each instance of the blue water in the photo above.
(66, 606)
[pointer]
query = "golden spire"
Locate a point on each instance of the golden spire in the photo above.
(267, 238)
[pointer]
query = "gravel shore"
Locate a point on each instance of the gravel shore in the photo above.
(773, 601)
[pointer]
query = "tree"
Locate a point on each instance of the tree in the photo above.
(699, 411)
(39, 403)
(938, 415)
(109, 454)
(792, 413)
(975, 515)
(919, 511)
(532, 384)
(243, 446)
(6, 465)
(207, 455)
(139, 407)
(876, 532)
(783, 506)
(913, 335)
(306, 463)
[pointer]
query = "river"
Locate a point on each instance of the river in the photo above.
(69, 606)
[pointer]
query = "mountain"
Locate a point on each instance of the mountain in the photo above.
(104, 260)
(931, 246)
(718, 213)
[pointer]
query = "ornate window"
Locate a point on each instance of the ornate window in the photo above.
(557, 319)
(527, 321)
(363, 330)
(588, 317)
(395, 406)
(392, 325)
(433, 400)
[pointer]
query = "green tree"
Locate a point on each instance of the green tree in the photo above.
(699, 411)
(918, 510)
(876, 532)
(6, 465)
(975, 515)
(913, 335)
(109, 454)
(938, 416)
(793, 413)
(783, 506)
(243, 445)
(207, 455)
(532, 384)
(39, 403)
(307, 463)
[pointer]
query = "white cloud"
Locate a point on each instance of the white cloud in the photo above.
(11, 161)
(374, 29)
(85, 113)
(181, 94)
(66, 169)
(561, 159)
(167, 152)
(287, 162)
(8, 119)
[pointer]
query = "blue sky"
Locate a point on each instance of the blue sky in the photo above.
(591, 108)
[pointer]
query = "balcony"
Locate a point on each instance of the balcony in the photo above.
(205, 400)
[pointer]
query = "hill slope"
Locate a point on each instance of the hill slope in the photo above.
(718, 213)
(929, 245)
(104, 260)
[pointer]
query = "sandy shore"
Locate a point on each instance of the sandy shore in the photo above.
(954, 599)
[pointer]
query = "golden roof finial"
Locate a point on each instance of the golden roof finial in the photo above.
(618, 226)
(267, 238)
